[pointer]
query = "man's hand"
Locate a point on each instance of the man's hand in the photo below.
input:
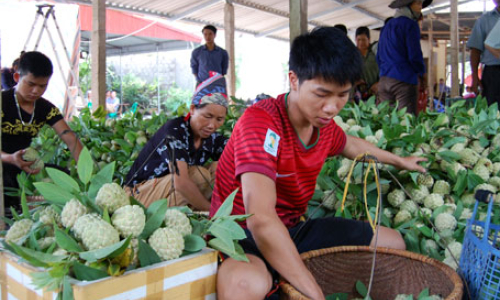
(18, 161)
(476, 83)
(410, 163)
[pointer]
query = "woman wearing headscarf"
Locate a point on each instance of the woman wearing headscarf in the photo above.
(173, 163)
(399, 55)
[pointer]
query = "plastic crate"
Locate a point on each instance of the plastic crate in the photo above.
(480, 259)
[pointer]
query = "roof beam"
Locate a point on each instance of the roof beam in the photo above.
(354, 5)
(429, 10)
(193, 10)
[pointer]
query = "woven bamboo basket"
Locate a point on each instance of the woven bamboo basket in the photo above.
(338, 269)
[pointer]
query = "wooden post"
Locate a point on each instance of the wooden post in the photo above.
(98, 53)
(430, 71)
(464, 53)
(2, 205)
(229, 37)
(298, 18)
(454, 48)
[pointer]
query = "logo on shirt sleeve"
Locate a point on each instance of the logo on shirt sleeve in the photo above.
(272, 142)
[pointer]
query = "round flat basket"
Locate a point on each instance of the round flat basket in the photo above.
(397, 272)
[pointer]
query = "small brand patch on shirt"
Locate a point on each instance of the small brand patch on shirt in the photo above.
(271, 143)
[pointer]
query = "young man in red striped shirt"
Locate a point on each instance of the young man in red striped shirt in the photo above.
(274, 156)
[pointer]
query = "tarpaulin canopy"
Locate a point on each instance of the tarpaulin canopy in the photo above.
(128, 33)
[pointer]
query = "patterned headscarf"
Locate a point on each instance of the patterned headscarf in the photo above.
(212, 90)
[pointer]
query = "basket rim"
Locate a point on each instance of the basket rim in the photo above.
(456, 293)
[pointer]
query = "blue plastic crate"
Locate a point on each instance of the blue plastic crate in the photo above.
(480, 259)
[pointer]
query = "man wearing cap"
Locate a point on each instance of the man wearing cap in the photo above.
(209, 57)
(399, 55)
(490, 81)
(171, 164)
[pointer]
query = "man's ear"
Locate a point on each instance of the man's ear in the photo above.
(294, 81)
(17, 76)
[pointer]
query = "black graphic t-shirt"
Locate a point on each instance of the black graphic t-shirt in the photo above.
(15, 135)
(179, 136)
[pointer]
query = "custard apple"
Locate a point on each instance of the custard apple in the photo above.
(379, 134)
(48, 215)
(494, 181)
(451, 263)
(409, 206)
(402, 216)
(343, 171)
(482, 171)
(427, 212)
(430, 245)
(433, 201)
(445, 222)
(329, 200)
(388, 213)
(466, 214)
(129, 220)
(456, 167)
(487, 163)
(73, 209)
(30, 154)
(111, 196)
(372, 139)
(351, 122)
(167, 242)
(455, 249)
(83, 222)
(60, 252)
(18, 231)
(457, 147)
(469, 157)
(441, 187)
(495, 142)
(426, 180)
(468, 199)
(46, 242)
(476, 146)
(177, 220)
(418, 194)
(97, 234)
(496, 168)
(37, 165)
(396, 197)
(485, 186)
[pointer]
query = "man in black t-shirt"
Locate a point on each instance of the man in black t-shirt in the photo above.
(171, 164)
(24, 113)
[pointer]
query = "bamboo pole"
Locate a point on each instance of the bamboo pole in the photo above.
(98, 54)
(430, 70)
(298, 18)
(229, 37)
(454, 49)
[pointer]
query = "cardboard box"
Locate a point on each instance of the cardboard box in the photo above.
(189, 277)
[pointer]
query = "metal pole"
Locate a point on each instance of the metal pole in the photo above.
(464, 54)
(430, 73)
(454, 49)
(158, 79)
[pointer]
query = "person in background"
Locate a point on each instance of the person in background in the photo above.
(275, 153)
(171, 164)
(209, 57)
(492, 42)
(341, 27)
(112, 103)
(24, 113)
(490, 81)
(442, 90)
(399, 55)
(8, 75)
(368, 85)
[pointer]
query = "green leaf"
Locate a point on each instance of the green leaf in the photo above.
(424, 293)
(36, 258)
(473, 180)
(134, 201)
(426, 231)
(107, 252)
(454, 141)
(67, 289)
(227, 229)
(449, 156)
(461, 184)
(225, 246)
(155, 221)
(83, 272)
(52, 193)
(63, 180)
(361, 289)
(227, 206)
(66, 242)
(24, 205)
(153, 208)
(105, 175)
(337, 296)
(85, 166)
(194, 243)
(147, 255)
(105, 215)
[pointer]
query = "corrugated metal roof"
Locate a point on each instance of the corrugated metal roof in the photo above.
(267, 17)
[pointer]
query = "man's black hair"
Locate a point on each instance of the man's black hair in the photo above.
(326, 53)
(363, 30)
(36, 63)
(15, 63)
(210, 27)
(341, 27)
